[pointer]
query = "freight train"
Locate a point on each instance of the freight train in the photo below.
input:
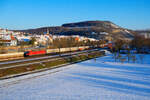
(49, 51)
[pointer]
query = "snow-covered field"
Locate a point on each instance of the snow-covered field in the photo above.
(100, 79)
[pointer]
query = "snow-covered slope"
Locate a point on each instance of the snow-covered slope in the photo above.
(97, 79)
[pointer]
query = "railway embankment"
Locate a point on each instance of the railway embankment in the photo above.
(47, 64)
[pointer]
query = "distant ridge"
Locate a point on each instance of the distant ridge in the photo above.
(107, 24)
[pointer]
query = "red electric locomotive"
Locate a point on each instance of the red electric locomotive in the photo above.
(32, 53)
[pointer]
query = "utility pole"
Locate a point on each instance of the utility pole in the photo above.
(47, 42)
(59, 45)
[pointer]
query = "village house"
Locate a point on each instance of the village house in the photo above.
(146, 35)
(43, 39)
(9, 42)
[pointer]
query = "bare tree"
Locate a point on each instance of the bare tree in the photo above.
(141, 58)
(119, 56)
(115, 56)
(32, 41)
(129, 56)
(133, 57)
(137, 42)
(119, 44)
(122, 59)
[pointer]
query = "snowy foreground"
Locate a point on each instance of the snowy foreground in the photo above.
(100, 79)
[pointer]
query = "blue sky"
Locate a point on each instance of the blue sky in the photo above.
(25, 14)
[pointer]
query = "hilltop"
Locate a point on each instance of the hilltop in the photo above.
(106, 24)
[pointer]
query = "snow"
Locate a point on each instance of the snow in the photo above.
(106, 52)
(97, 79)
(127, 31)
(114, 25)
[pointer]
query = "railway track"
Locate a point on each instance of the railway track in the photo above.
(35, 60)
(17, 69)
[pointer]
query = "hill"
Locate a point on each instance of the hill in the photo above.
(86, 28)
